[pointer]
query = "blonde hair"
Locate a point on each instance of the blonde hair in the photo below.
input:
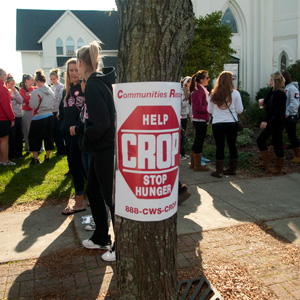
(90, 55)
(223, 89)
(67, 76)
(55, 72)
(278, 81)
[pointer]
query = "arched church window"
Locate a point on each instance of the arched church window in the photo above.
(283, 62)
(59, 47)
(70, 46)
(80, 43)
(229, 19)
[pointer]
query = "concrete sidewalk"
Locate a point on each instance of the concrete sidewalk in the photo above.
(215, 203)
(215, 206)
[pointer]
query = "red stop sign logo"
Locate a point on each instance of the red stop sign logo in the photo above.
(148, 151)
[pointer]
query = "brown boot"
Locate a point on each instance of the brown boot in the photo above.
(197, 163)
(271, 152)
(278, 166)
(266, 160)
(192, 159)
(232, 167)
(219, 169)
(296, 159)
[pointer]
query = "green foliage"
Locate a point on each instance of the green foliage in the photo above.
(244, 138)
(295, 71)
(254, 115)
(262, 93)
(245, 98)
(210, 48)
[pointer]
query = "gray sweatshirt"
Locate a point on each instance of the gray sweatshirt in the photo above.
(57, 90)
(16, 103)
(41, 101)
(292, 101)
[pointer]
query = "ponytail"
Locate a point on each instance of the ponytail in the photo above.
(90, 55)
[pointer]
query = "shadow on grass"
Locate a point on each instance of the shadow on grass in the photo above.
(27, 177)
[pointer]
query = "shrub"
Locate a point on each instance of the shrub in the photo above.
(244, 138)
(245, 98)
(254, 115)
(262, 92)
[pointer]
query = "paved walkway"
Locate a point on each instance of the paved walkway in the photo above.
(33, 242)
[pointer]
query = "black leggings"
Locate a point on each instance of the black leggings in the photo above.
(101, 176)
(228, 132)
(75, 163)
(290, 128)
(276, 133)
(201, 128)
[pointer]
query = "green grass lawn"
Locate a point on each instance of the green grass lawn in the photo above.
(25, 183)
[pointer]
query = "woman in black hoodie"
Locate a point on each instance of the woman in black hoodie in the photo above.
(98, 136)
(273, 124)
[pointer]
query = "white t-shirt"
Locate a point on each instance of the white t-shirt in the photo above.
(223, 115)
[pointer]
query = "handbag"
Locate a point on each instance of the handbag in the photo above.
(239, 126)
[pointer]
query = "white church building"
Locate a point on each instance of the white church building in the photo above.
(265, 36)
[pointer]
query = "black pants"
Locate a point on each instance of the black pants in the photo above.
(101, 176)
(228, 132)
(290, 128)
(201, 128)
(58, 136)
(41, 130)
(276, 133)
(16, 139)
(75, 163)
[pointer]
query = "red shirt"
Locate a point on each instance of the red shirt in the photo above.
(6, 112)
(26, 97)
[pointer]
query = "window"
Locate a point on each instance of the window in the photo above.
(283, 62)
(229, 19)
(70, 46)
(59, 47)
(80, 43)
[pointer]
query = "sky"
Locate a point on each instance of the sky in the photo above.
(10, 59)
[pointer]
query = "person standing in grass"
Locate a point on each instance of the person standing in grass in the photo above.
(7, 120)
(25, 92)
(69, 114)
(16, 133)
(57, 89)
(41, 127)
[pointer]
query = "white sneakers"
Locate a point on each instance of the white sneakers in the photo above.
(9, 163)
(89, 244)
(109, 256)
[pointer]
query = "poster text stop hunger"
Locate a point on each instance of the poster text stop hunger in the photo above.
(148, 147)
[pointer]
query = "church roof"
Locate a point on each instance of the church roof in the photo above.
(32, 24)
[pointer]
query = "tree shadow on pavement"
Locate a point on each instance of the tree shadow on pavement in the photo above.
(270, 201)
(63, 269)
(189, 233)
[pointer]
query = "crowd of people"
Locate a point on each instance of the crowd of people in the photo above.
(222, 106)
(79, 117)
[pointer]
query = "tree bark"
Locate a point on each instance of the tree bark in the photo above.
(154, 36)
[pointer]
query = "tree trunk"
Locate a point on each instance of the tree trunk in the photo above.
(154, 36)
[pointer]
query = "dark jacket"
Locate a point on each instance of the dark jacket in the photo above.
(69, 110)
(275, 108)
(99, 127)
